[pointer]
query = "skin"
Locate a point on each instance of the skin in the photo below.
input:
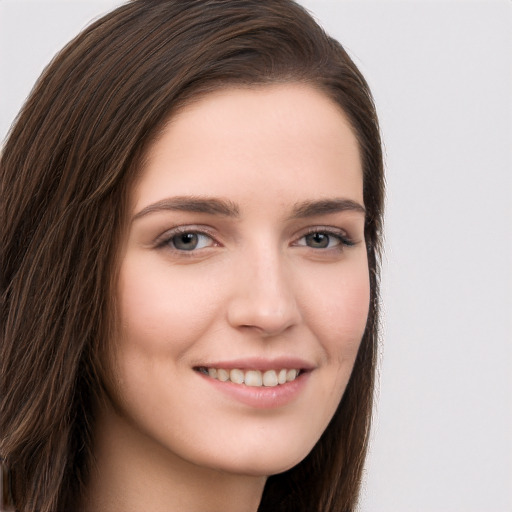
(256, 286)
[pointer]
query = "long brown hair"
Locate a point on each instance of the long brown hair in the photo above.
(66, 171)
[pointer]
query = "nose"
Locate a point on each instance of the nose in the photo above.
(264, 299)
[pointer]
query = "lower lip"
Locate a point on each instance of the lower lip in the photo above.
(261, 397)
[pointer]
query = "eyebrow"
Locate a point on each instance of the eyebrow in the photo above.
(215, 206)
(324, 207)
(210, 206)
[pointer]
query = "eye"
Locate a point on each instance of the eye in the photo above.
(189, 241)
(324, 240)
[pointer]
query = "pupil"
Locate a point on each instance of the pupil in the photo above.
(185, 241)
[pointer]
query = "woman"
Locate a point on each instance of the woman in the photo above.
(192, 197)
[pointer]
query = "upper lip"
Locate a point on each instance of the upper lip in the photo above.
(259, 363)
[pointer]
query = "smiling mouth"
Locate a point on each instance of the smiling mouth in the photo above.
(253, 378)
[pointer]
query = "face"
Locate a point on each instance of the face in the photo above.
(244, 289)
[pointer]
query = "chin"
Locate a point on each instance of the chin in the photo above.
(267, 459)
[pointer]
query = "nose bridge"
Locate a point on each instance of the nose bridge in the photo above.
(264, 298)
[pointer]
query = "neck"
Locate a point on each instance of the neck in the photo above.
(132, 472)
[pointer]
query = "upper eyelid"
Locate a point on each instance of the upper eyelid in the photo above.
(329, 230)
(333, 229)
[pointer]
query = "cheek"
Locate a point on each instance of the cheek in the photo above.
(339, 312)
(336, 314)
(351, 315)
(161, 311)
(162, 314)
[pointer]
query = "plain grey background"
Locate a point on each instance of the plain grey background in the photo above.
(441, 74)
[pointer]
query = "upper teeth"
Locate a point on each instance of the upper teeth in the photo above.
(269, 378)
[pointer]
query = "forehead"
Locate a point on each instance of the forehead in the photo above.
(289, 138)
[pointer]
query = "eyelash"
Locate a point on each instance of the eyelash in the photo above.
(166, 240)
